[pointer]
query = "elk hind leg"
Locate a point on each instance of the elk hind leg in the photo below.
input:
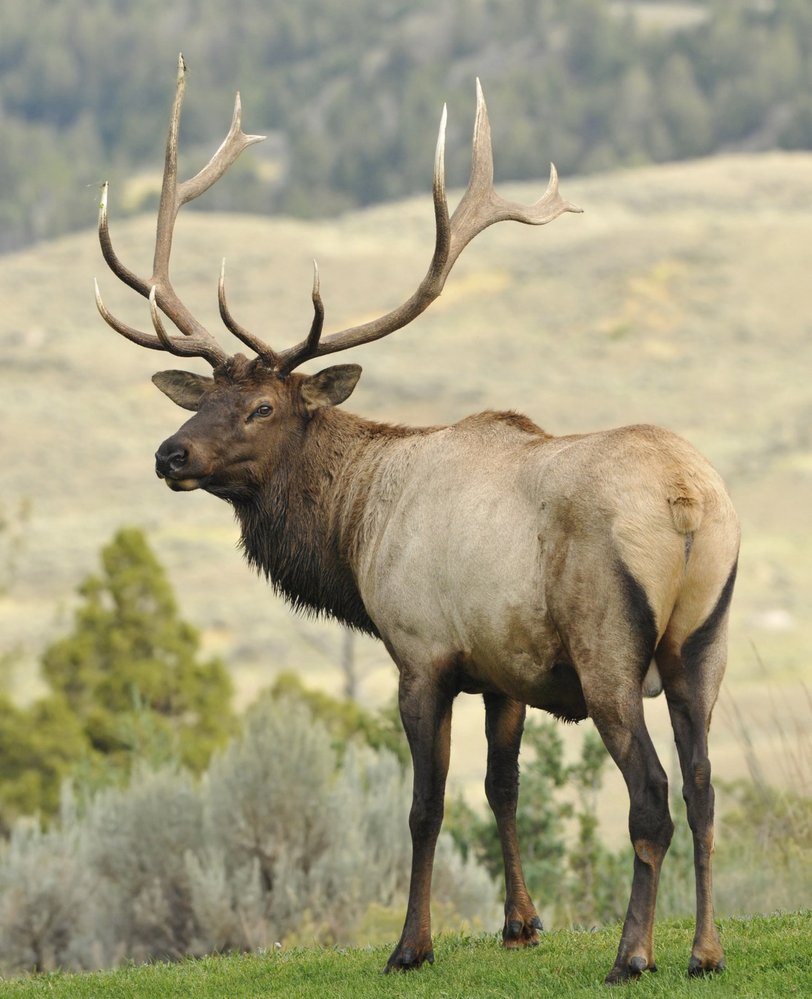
(691, 678)
(504, 724)
(690, 733)
(622, 727)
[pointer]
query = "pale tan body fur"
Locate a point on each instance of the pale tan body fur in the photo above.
(524, 526)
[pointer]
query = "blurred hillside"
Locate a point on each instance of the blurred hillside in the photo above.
(680, 297)
(350, 93)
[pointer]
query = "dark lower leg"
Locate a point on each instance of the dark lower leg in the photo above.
(426, 712)
(504, 723)
(650, 829)
(691, 739)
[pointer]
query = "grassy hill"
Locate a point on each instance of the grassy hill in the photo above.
(767, 957)
(680, 297)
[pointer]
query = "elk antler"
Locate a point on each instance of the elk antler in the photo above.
(480, 207)
(196, 340)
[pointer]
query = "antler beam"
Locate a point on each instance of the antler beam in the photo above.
(479, 208)
(196, 340)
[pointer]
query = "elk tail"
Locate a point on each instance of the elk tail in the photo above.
(686, 514)
(686, 511)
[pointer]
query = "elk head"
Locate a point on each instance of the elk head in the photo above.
(246, 417)
(255, 407)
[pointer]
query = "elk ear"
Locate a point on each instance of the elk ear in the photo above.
(330, 387)
(183, 388)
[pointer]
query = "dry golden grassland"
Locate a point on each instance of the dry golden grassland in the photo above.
(680, 297)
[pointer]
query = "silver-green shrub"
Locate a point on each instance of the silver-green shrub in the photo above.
(283, 840)
(45, 920)
(135, 839)
(317, 840)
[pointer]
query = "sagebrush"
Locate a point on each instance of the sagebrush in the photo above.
(281, 841)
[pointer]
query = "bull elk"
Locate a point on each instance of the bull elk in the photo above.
(574, 574)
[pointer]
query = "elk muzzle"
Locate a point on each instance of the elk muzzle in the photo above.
(172, 465)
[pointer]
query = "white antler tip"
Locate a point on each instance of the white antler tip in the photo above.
(236, 125)
(552, 190)
(553, 182)
(439, 155)
(101, 308)
(316, 279)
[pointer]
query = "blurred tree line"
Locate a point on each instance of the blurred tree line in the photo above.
(350, 94)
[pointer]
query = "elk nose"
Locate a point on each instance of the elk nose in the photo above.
(170, 458)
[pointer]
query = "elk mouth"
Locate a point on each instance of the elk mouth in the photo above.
(180, 485)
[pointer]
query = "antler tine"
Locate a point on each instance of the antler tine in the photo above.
(314, 346)
(480, 205)
(198, 341)
(174, 196)
(193, 346)
(317, 325)
(268, 355)
(230, 148)
(116, 266)
(197, 344)
(184, 346)
(130, 332)
(259, 346)
(479, 208)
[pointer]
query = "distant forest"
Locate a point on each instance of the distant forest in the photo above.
(350, 93)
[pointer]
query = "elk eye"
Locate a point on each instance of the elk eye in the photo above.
(264, 410)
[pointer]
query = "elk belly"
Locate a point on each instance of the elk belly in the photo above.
(531, 666)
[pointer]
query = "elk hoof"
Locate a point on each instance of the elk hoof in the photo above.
(408, 959)
(698, 967)
(521, 932)
(629, 972)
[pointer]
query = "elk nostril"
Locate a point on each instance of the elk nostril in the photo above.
(171, 459)
(177, 459)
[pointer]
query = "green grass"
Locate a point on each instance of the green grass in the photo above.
(767, 956)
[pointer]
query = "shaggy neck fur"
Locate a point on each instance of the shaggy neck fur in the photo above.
(309, 510)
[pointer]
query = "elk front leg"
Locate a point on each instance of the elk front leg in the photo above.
(425, 708)
(504, 724)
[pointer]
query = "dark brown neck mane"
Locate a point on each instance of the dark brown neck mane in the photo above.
(292, 523)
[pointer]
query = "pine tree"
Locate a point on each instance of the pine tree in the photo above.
(131, 670)
(40, 746)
